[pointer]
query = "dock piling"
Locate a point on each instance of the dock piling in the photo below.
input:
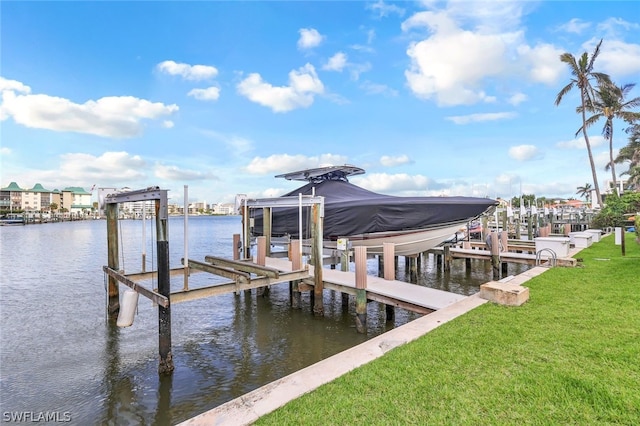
(113, 307)
(361, 292)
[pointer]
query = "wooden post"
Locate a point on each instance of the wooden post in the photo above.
(164, 288)
(529, 226)
(361, 286)
(495, 255)
(504, 241)
(261, 253)
(113, 307)
(296, 265)
(505, 228)
(316, 253)
(344, 266)
(388, 252)
(246, 229)
(236, 246)
(266, 220)
(485, 228)
(446, 259)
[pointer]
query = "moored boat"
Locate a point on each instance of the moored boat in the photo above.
(366, 218)
(12, 219)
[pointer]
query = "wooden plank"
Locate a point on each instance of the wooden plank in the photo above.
(245, 266)
(231, 287)
(152, 275)
(237, 276)
(400, 291)
(155, 297)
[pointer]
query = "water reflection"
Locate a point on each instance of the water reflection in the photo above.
(58, 351)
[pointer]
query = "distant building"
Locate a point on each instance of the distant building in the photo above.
(75, 200)
(224, 208)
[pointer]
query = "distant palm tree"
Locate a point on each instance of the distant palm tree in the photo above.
(583, 74)
(631, 153)
(584, 191)
(609, 103)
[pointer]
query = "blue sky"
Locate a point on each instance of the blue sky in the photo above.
(430, 98)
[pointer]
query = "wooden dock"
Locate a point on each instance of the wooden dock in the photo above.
(478, 251)
(391, 292)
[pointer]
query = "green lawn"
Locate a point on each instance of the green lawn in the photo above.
(570, 355)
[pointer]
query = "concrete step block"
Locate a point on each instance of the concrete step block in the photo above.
(504, 293)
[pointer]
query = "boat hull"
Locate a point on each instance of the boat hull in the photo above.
(406, 243)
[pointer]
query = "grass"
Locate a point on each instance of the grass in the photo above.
(570, 355)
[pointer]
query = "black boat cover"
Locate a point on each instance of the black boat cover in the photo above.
(351, 210)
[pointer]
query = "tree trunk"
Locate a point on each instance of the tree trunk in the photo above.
(586, 141)
(613, 167)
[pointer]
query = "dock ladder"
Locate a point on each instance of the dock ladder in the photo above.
(553, 256)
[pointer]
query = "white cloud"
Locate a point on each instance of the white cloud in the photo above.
(188, 72)
(617, 58)
(236, 144)
(209, 94)
(612, 26)
(303, 85)
(541, 63)
(168, 124)
(13, 86)
(383, 10)
(575, 26)
(578, 143)
(391, 161)
(5, 151)
(113, 116)
(108, 168)
(175, 173)
(336, 63)
(393, 183)
(377, 89)
(309, 38)
(452, 63)
(524, 152)
(476, 118)
(284, 163)
(517, 98)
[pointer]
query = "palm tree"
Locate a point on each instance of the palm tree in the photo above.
(583, 74)
(609, 103)
(631, 153)
(584, 191)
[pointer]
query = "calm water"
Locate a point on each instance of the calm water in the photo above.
(59, 355)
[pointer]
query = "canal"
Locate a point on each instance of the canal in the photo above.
(60, 357)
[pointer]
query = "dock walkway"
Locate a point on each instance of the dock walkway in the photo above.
(378, 289)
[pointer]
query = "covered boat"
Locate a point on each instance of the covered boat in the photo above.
(366, 218)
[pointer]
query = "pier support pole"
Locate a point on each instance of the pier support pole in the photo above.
(316, 254)
(261, 254)
(164, 288)
(361, 286)
(495, 255)
(344, 266)
(113, 307)
(447, 257)
(388, 252)
(296, 265)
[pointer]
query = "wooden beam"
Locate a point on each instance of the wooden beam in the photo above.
(223, 288)
(155, 297)
(230, 273)
(244, 266)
